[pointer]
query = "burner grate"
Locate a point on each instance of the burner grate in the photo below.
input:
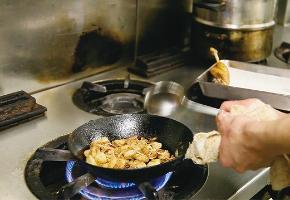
(46, 179)
(112, 97)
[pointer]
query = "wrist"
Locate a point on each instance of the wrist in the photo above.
(261, 135)
(281, 134)
(274, 134)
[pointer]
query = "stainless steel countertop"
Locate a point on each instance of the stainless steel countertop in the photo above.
(18, 143)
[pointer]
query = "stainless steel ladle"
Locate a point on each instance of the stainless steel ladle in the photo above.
(167, 96)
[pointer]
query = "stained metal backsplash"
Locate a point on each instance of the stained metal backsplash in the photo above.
(51, 42)
(283, 12)
(42, 43)
(162, 23)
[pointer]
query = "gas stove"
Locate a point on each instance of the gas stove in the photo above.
(50, 177)
(24, 176)
(61, 179)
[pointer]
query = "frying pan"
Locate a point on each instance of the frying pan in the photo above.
(174, 136)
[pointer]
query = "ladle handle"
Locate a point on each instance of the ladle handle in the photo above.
(199, 107)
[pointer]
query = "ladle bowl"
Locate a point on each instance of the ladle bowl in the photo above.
(165, 97)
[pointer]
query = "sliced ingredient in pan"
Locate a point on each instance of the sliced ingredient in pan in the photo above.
(129, 153)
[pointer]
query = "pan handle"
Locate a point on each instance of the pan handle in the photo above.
(50, 154)
(148, 190)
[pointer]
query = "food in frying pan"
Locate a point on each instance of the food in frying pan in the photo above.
(129, 153)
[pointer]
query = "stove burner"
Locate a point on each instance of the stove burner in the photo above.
(104, 189)
(111, 97)
(123, 103)
(45, 179)
(113, 185)
(283, 52)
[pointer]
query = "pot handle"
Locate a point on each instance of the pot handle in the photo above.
(211, 6)
(148, 190)
(216, 36)
(50, 154)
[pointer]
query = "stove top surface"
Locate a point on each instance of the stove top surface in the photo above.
(62, 117)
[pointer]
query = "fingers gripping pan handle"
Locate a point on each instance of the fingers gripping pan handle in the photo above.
(197, 107)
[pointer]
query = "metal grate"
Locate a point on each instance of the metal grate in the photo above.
(17, 108)
(158, 62)
(111, 97)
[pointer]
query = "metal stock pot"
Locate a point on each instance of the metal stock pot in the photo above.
(240, 30)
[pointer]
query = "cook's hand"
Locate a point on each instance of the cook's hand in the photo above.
(226, 106)
(253, 103)
(240, 149)
(242, 145)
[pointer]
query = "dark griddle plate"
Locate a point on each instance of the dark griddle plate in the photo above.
(17, 108)
(158, 62)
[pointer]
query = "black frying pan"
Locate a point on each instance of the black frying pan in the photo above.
(173, 135)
